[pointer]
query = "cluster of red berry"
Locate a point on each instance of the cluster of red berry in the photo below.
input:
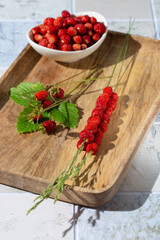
(42, 96)
(68, 33)
(97, 123)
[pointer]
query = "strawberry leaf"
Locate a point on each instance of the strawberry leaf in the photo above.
(66, 114)
(25, 92)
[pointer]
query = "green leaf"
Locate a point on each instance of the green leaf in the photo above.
(25, 92)
(67, 114)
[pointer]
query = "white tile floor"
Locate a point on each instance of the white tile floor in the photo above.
(134, 211)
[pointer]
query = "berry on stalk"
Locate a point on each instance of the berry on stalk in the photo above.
(41, 95)
(46, 103)
(37, 117)
(99, 28)
(49, 21)
(92, 147)
(49, 125)
(86, 135)
(59, 94)
(65, 14)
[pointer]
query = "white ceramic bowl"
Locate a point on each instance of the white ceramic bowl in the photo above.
(69, 56)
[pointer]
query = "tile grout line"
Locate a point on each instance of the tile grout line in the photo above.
(74, 226)
(73, 6)
(154, 18)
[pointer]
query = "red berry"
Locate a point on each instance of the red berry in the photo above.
(65, 38)
(51, 29)
(86, 39)
(103, 126)
(78, 19)
(49, 21)
(102, 103)
(108, 112)
(97, 112)
(43, 29)
(96, 37)
(66, 47)
(83, 46)
(88, 25)
(38, 37)
(39, 117)
(71, 21)
(114, 97)
(92, 147)
(112, 105)
(105, 118)
(77, 39)
(52, 46)
(108, 90)
(46, 103)
(72, 31)
(80, 28)
(61, 32)
(85, 19)
(65, 24)
(79, 143)
(49, 125)
(93, 20)
(94, 120)
(105, 96)
(99, 28)
(76, 47)
(41, 95)
(98, 137)
(52, 38)
(58, 22)
(65, 14)
(91, 126)
(59, 94)
(90, 33)
(36, 30)
(86, 135)
(43, 42)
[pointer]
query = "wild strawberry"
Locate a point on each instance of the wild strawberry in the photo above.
(86, 135)
(51, 29)
(37, 117)
(44, 42)
(92, 127)
(97, 112)
(96, 37)
(41, 95)
(105, 118)
(49, 21)
(89, 33)
(80, 28)
(65, 38)
(93, 20)
(79, 143)
(92, 147)
(88, 25)
(52, 38)
(43, 29)
(46, 103)
(72, 31)
(99, 28)
(66, 47)
(103, 126)
(114, 97)
(65, 24)
(78, 19)
(38, 37)
(94, 120)
(112, 105)
(36, 30)
(76, 47)
(85, 19)
(108, 90)
(98, 137)
(77, 39)
(59, 94)
(86, 39)
(52, 46)
(108, 112)
(83, 46)
(102, 103)
(71, 21)
(104, 96)
(65, 14)
(61, 32)
(58, 22)
(49, 125)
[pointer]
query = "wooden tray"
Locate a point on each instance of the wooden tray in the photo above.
(32, 161)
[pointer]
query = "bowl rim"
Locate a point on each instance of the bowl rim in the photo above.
(49, 50)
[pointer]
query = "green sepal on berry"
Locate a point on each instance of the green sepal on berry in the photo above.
(66, 114)
(25, 92)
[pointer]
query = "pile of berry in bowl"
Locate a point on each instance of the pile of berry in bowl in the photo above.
(69, 38)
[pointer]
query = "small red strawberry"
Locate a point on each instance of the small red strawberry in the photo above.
(35, 117)
(114, 97)
(66, 47)
(43, 29)
(103, 126)
(108, 112)
(93, 20)
(86, 39)
(61, 32)
(105, 118)
(98, 137)
(86, 135)
(78, 19)
(83, 46)
(49, 125)
(89, 26)
(77, 39)
(79, 143)
(51, 29)
(52, 38)
(92, 147)
(65, 14)
(94, 120)
(89, 33)
(41, 95)
(99, 28)
(97, 112)
(72, 31)
(108, 90)
(71, 21)
(80, 28)
(38, 37)
(91, 126)
(52, 46)
(96, 37)
(59, 94)
(46, 103)
(49, 21)
(58, 22)
(86, 19)
(44, 42)
(76, 47)
(101, 103)
(65, 38)
(36, 30)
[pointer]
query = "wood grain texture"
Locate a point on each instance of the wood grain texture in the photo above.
(32, 161)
